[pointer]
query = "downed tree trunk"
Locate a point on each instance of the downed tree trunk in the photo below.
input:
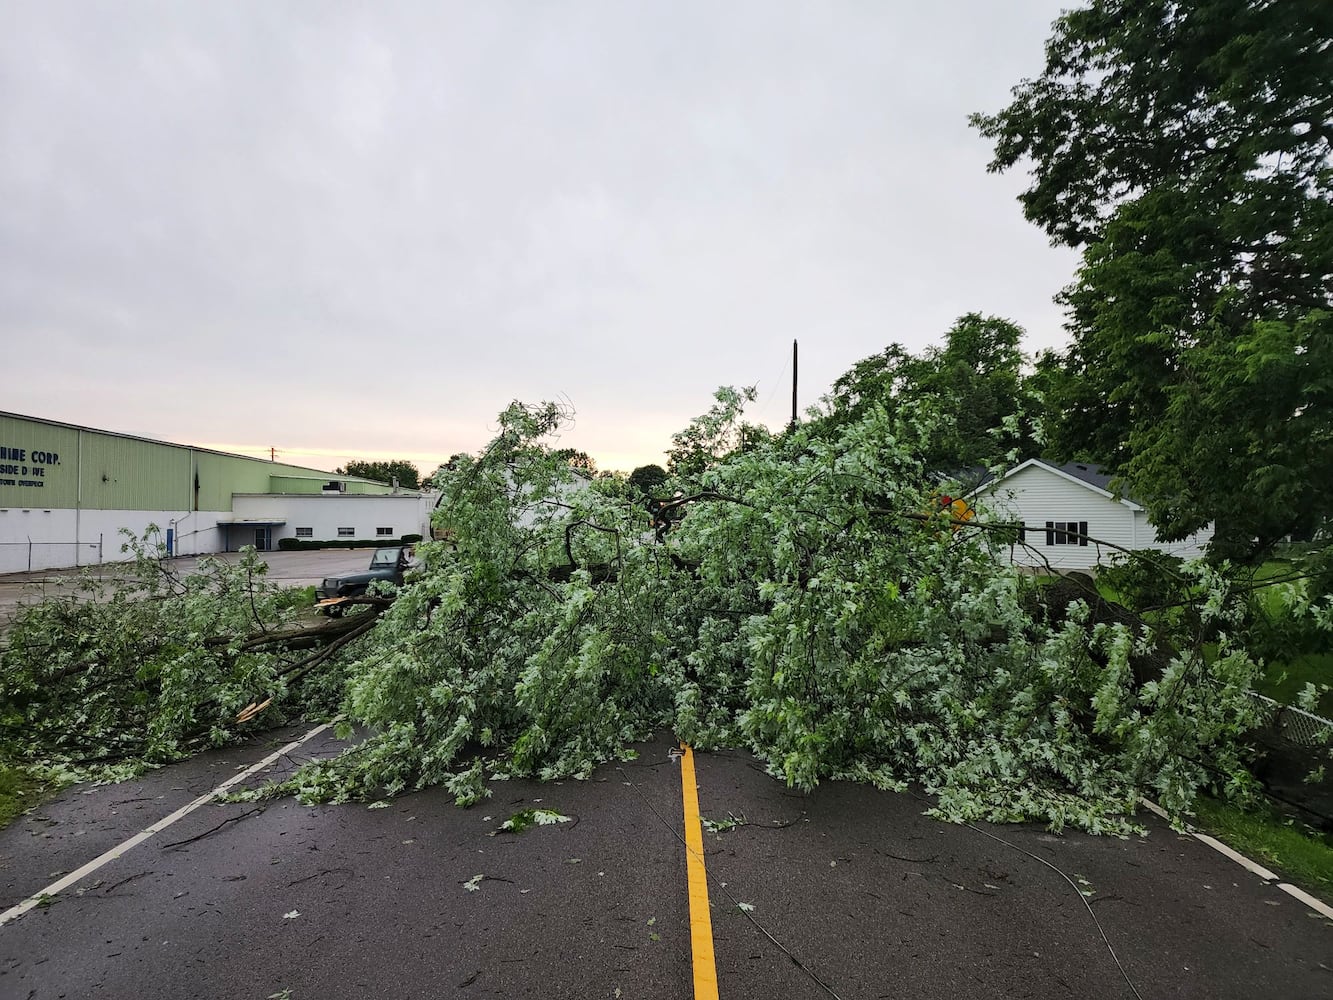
(131, 695)
(1051, 603)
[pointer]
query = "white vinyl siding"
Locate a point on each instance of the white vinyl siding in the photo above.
(1187, 548)
(1048, 502)
(1036, 495)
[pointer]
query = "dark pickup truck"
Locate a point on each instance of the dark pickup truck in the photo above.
(387, 563)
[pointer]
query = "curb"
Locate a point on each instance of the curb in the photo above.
(1268, 877)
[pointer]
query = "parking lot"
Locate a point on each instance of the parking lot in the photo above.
(292, 569)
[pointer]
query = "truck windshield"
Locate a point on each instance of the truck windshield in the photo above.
(384, 558)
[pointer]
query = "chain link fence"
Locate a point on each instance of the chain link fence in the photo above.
(1295, 725)
(1296, 751)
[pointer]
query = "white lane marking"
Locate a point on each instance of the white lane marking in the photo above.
(75, 876)
(1153, 807)
(1237, 857)
(1317, 905)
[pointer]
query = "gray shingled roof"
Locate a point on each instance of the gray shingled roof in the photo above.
(1086, 471)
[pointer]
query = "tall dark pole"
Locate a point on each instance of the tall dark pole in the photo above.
(793, 385)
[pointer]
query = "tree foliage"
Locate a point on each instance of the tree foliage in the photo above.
(716, 434)
(150, 663)
(1186, 147)
(812, 604)
(976, 381)
(407, 474)
(647, 478)
(579, 460)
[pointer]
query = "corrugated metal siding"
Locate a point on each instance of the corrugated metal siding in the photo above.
(59, 479)
(127, 473)
(298, 484)
(1037, 495)
(308, 485)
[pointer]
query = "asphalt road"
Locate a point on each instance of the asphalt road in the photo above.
(854, 894)
(291, 569)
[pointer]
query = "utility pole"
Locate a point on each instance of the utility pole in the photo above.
(793, 386)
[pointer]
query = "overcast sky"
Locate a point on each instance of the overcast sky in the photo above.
(359, 230)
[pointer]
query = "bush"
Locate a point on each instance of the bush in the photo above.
(310, 544)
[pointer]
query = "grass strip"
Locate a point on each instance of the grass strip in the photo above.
(1281, 842)
(19, 791)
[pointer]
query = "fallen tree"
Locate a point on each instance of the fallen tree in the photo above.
(811, 602)
(149, 664)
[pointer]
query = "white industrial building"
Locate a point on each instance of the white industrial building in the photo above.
(325, 516)
(67, 493)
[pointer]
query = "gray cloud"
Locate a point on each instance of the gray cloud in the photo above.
(370, 226)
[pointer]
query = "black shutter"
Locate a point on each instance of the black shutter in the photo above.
(1050, 532)
(1083, 532)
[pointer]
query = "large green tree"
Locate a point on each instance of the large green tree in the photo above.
(974, 382)
(647, 478)
(1186, 148)
(579, 460)
(407, 474)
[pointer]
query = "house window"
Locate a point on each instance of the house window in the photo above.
(1067, 533)
(384, 532)
(305, 532)
(346, 532)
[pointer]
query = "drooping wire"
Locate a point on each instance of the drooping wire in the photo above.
(1082, 898)
(811, 973)
(777, 384)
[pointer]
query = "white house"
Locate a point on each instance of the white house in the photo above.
(1067, 510)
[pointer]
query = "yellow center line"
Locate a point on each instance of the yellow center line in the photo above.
(701, 922)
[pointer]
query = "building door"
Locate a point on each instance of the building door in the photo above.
(261, 538)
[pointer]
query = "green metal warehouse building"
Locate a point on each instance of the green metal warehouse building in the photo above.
(66, 493)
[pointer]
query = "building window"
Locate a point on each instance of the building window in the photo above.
(346, 532)
(1067, 533)
(384, 532)
(305, 532)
